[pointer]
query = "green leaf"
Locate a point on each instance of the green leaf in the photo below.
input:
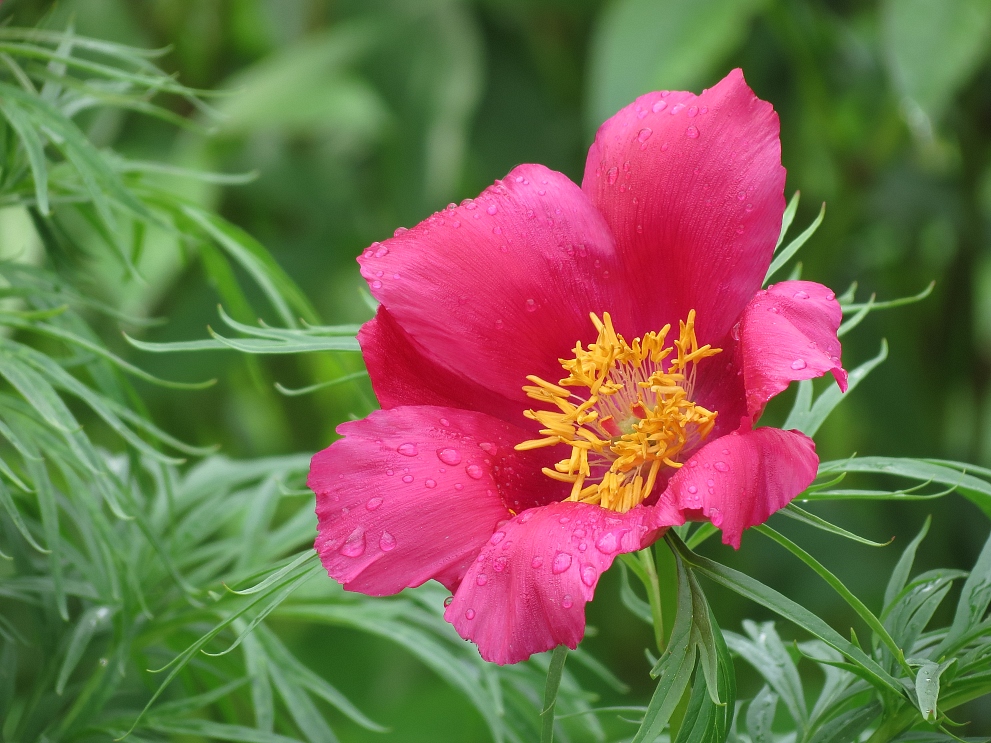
(86, 626)
(643, 45)
(974, 598)
(903, 568)
(760, 716)
(787, 252)
(787, 218)
(33, 147)
(933, 48)
(554, 671)
(927, 687)
(768, 655)
(846, 728)
(217, 731)
(799, 514)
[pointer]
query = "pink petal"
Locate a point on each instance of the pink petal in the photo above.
(502, 286)
(402, 374)
(413, 493)
(693, 189)
(739, 480)
(788, 332)
(527, 591)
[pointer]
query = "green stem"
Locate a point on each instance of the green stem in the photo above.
(653, 594)
(554, 672)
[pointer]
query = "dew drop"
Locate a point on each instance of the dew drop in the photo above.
(798, 364)
(589, 575)
(373, 503)
(611, 175)
(567, 602)
(693, 463)
(607, 543)
(531, 306)
(449, 456)
(677, 108)
(390, 473)
(561, 563)
(387, 542)
(721, 466)
(741, 195)
(354, 545)
(492, 209)
(659, 106)
(470, 614)
(481, 579)
(536, 562)
(376, 284)
(692, 489)
(644, 134)
(458, 486)
(408, 450)
(497, 537)
(800, 295)
(407, 478)
(449, 600)
(500, 563)
(692, 132)
(831, 296)
(428, 483)
(474, 471)
(382, 252)
(693, 112)
(488, 448)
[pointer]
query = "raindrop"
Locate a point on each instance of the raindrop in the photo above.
(659, 106)
(428, 483)
(497, 230)
(474, 471)
(354, 545)
(492, 209)
(567, 602)
(741, 195)
(561, 563)
(481, 579)
(611, 175)
(470, 614)
(382, 252)
(458, 486)
(589, 575)
(373, 503)
(400, 231)
(449, 600)
(692, 489)
(692, 132)
(407, 478)
(531, 306)
(500, 563)
(488, 448)
(408, 450)
(721, 466)
(677, 108)
(390, 473)
(497, 537)
(831, 296)
(798, 364)
(607, 543)
(376, 284)
(800, 295)
(644, 134)
(536, 562)
(693, 112)
(449, 456)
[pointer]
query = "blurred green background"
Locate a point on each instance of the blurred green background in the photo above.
(359, 116)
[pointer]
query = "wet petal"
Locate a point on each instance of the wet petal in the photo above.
(739, 480)
(693, 189)
(502, 286)
(527, 591)
(413, 493)
(788, 332)
(402, 374)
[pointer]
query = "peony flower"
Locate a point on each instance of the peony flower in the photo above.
(565, 372)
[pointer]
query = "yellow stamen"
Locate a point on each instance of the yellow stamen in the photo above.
(636, 416)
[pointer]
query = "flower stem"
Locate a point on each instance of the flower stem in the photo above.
(554, 671)
(653, 594)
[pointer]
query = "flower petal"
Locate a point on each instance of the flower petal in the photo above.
(401, 374)
(502, 286)
(693, 189)
(739, 480)
(526, 592)
(788, 332)
(413, 493)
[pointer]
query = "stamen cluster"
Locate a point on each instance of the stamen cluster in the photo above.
(633, 416)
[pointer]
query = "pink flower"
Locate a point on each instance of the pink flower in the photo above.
(565, 372)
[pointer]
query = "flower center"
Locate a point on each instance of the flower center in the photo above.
(630, 414)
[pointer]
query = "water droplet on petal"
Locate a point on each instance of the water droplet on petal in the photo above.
(492, 209)
(677, 108)
(481, 579)
(693, 463)
(373, 503)
(798, 364)
(536, 562)
(611, 175)
(531, 306)
(376, 284)
(831, 296)
(644, 134)
(567, 601)
(354, 545)
(400, 231)
(497, 537)
(721, 466)
(607, 543)
(390, 473)
(692, 132)
(470, 614)
(561, 563)
(382, 252)
(692, 489)
(564, 519)
(449, 600)
(449, 456)
(408, 450)
(488, 448)
(407, 478)
(693, 112)
(500, 563)
(589, 575)
(659, 106)
(474, 471)
(800, 295)
(428, 483)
